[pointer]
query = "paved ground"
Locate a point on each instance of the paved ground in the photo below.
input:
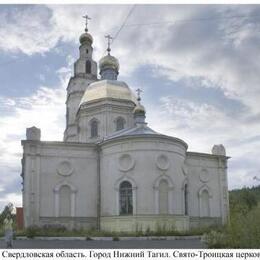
(56, 244)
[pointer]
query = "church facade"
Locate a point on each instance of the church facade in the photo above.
(112, 172)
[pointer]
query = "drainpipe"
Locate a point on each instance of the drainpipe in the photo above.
(98, 188)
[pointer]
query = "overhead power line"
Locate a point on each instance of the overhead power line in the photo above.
(124, 23)
(175, 22)
(122, 26)
(191, 20)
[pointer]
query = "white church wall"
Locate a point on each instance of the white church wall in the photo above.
(105, 112)
(61, 164)
(204, 174)
(31, 183)
(143, 162)
(144, 223)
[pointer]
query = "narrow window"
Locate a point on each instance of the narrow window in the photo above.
(126, 198)
(163, 197)
(88, 66)
(65, 201)
(186, 199)
(94, 128)
(120, 123)
(204, 203)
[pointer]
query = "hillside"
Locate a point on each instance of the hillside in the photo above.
(245, 193)
(255, 191)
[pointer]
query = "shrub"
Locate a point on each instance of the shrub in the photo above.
(215, 239)
(147, 231)
(32, 231)
(242, 201)
(115, 238)
(243, 231)
(53, 228)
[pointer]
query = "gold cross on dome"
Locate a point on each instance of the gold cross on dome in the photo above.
(87, 18)
(139, 94)
(109, 40)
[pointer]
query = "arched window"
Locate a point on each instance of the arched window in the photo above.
(88, 66)
(126, 198)
(120, 123)
(163, 197)
(204, 197)
(186, 199)
(94, 128)
(65, 201)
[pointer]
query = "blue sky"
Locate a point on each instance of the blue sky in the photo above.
(198, 67)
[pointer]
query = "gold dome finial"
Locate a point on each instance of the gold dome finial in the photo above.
(109, 41)
(109, 65)
(139, 94)
(139, 110)
(87, 18)
(86, 37)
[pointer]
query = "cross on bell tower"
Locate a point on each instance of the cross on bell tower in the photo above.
(87, 18)
(109, 40)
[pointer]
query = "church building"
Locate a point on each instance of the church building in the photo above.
(113, 172)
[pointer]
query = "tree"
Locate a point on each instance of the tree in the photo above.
(248, 198)
(242, 200)
(7, 211)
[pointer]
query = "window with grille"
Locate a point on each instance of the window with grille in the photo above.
(126, 198)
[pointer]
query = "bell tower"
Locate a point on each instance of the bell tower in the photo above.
(85, 66)
(85, 72)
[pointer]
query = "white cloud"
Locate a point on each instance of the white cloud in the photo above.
(186, 48)
(26, 30)
(201, 125)
(199, 49)
(14, 198)
(44, 109)
(38, 28)
(41, 77)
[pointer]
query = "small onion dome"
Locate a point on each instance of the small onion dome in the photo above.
(139, 115)
(109, 62)
(139, 109)
(86, 38)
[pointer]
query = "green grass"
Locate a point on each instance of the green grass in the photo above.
(36, 231)
(61, 231)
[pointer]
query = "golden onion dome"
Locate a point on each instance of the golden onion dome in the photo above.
(108, 89)
(85, 38)
(109, 62)
(139, 109)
